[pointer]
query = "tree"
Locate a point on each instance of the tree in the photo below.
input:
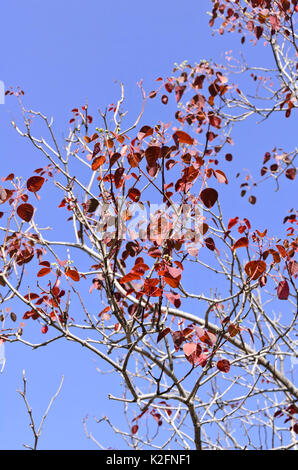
(210, 370)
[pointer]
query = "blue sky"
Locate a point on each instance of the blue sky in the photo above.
(62, 53)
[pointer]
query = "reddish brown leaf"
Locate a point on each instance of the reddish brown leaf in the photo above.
(145, 131)
(43, 272)
(221, 177)
(97, 162)
(282, 251)
(173, 282)
(223, 365)
(134, 194)
(184, 138)
(179, 90)
(252, 199)
(91, 205)
(233, 330)
(255, 269)
(291, 173)
(10, 177)
(283, 290)
(134, 429)
(178, 338)
(293, 267)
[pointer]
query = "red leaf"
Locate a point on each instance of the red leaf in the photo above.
(35, 183)
(209, 197)
(232, 222)
(132, 276)
(223, 365)
(73, 274)
(25, 211)
(118, 177)
(241, 243)
(31, 296)
(134, 429)
(283, 290)
(43, 272)
(45, 263)
(169, 87)
(172, 281)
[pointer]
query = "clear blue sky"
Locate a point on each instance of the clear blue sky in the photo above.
(62, 53)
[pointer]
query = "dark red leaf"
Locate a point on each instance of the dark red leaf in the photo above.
(252, 199)
(291, 173)
(209, 197)
(162, 334)
(210, 244)
(35, 183)
(255, 269)
(25, 211)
